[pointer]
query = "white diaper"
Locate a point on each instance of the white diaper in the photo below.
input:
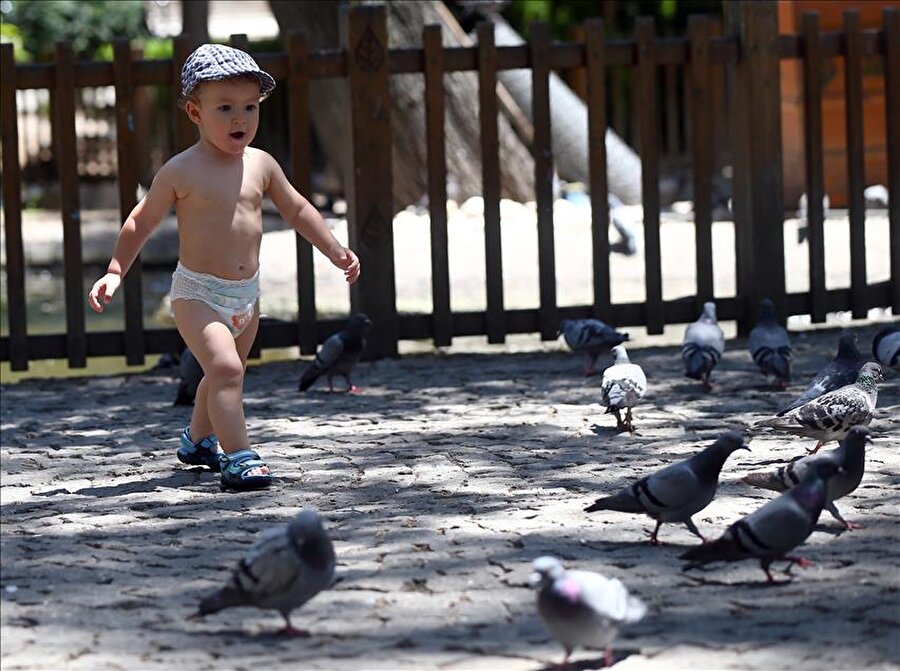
(233, 300)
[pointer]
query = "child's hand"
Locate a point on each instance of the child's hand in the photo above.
(347, 261)
(103, 290)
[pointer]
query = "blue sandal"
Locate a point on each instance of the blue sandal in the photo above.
(204, 452)
(235, 468)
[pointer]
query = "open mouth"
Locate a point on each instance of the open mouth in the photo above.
(238, 134)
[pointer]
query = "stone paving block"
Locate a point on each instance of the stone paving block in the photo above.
(440, 484)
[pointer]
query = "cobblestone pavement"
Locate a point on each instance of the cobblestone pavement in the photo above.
(440, 484)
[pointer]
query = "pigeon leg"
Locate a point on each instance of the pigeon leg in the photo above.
(653, 539)
(589, 366)
(849, 526)
(628, 423)
(330, 384)
(608, 657)
(620, 425)
(290, 630)
(689, 523)
(351, 388)
(816, 448)
(802, 562)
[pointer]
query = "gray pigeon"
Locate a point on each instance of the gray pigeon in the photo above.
(676, 492)
(582, 608)
(773, 530)
(339, 355)
(886, 346)
(832, 415)
(843, 370)
(590, 337)
(622, 387)
(770, 346)
(703, 345)
(850, 455)
(286, 568)
(190, 374)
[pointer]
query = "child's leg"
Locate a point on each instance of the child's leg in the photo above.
(219, 404)
(201, 425)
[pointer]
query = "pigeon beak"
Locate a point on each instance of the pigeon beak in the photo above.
(869, 440)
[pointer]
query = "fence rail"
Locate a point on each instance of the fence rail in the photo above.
(748, 54)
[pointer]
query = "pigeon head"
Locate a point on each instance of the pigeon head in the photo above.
(869, 376)
(860, 433)
(310, 539)
(730, 441)
(848, 346)
(709, 311)
(562, 327)
(767, 311)
(621, 356)
(306, 525)
(359, 324)
(546, 570)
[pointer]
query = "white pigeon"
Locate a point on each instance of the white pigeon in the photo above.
(850, 455)
(773, 530)
(770, 346)
(286, 568)
(582, 608)
(832, 415)
(703, 345)
(622, 387)
(886, 346)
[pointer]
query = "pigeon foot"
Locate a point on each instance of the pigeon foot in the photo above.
(293, 632)
(353, 389)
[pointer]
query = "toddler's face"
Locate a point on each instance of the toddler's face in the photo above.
(227, 113)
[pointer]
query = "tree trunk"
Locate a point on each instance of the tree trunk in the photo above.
(568, 116)
(318, 22)
(195, 19)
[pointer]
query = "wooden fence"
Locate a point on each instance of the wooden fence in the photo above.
(748, 52)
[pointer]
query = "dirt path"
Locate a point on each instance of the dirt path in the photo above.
(440, 484)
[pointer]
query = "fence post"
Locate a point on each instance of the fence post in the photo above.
(758, 182)
(370, 182)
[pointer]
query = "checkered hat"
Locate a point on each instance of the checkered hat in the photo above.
(213, 62)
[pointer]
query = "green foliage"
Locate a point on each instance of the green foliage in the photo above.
(10, 34)
(86, 24)
(671, 15)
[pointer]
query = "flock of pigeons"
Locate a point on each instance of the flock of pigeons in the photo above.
(290, 565)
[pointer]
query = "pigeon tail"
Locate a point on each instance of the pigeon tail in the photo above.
(764, 480)
(698, 361)
(722, 549)
(623, 502)
(224, 598)
(310, 375)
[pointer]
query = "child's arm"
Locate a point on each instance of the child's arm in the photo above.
(144, 218)
(306, 220)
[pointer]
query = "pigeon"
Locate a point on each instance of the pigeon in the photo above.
(582, 608)
(703, 345)
(339, 355)
(832, 415)
(286, 568)
(590, 337)
(770, 346)
(678, 491)
(190, 374)
(886, 346)
(773, 530)
(843, 370)
(622, 387)
(850, 455)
